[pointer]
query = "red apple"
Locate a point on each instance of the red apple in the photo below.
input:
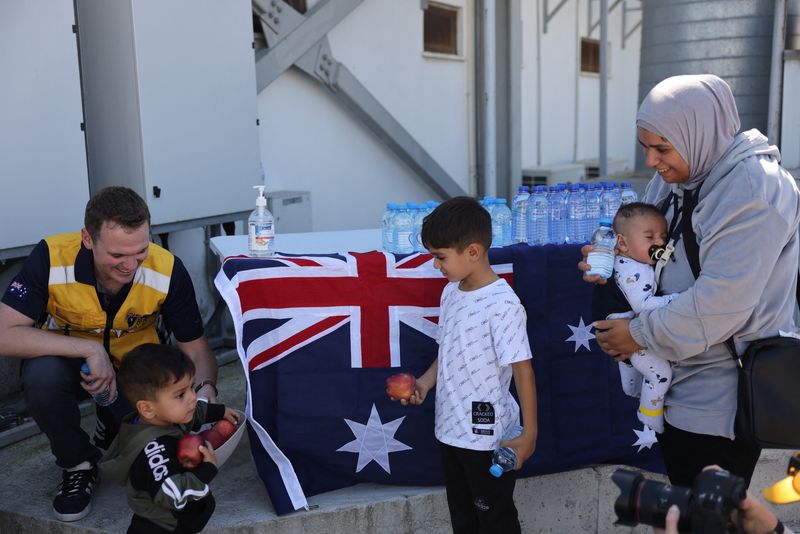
(400, 386)
(225, 428)
(188, 453)
(213, 437)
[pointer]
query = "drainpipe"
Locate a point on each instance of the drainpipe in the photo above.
(603, 87)
(776, 72)
(489, 97)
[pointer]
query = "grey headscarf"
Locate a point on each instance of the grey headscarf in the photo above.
(697, 115)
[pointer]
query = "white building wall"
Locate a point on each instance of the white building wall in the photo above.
(308, 142)
(569, 99)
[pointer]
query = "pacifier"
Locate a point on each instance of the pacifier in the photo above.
(656, 251)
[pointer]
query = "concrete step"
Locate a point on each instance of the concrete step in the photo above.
(575, 501)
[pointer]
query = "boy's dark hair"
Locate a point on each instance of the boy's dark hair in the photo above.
(119, 205)
(456, 223)
(151, 367)
(634, 209)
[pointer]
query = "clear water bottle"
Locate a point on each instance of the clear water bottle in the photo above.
(504, 458)
(538, 217)
(609, 200)
(413, 210)
(502, 221)
(601, 259)
(403, 231)
(103, 398)
(576, 214)
(592, 209)
(558, 214)
(627, 195)
(419, 217)
(388, 227)
(519, 218)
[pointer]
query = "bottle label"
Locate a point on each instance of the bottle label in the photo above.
(261, 236)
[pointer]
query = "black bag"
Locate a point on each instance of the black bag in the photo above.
(768, 412)
(769, 403)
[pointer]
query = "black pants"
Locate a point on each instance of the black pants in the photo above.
(52, 391)
(478, 502)
(687, 453)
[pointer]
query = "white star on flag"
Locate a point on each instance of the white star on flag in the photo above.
(645, 438)
(581, 335)
(374, 441)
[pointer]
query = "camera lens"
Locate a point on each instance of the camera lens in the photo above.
(647, 501)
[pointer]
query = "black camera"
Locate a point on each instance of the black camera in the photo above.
(705, 508)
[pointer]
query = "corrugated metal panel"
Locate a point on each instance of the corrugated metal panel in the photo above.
(729, 38)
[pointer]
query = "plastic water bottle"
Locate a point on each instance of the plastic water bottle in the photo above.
(627, 194)
(519, 219)
(576, 214)
(609, 200)
(103, 398)
(592, 209)
(403, 231)
(501, 222)
(601, 259)
(504, 458)
(260, 228)
(558, 214)
(388, 224)
(538, 217)
(419, 217)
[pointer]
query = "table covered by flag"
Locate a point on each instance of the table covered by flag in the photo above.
(319, 334)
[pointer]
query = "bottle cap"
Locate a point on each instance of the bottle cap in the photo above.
(605, 220)
(85, 368)
(626, 184)
(496, 471)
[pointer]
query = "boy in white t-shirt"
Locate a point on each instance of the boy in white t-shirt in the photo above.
(483, 342)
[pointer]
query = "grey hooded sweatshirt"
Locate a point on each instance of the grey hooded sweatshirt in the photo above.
(745, 221)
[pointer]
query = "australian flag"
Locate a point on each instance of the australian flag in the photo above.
(319, 334)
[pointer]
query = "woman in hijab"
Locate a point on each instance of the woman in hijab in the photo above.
(745, 210)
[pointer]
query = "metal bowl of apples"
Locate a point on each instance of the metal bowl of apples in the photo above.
(223, 436)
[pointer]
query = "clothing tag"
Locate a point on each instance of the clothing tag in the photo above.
(483, 431)
(482, 413)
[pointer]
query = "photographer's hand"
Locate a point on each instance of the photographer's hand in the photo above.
(670, 522)
(754, 517)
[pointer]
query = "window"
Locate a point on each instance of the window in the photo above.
(440, 29)
(590, 55)
(298, 5)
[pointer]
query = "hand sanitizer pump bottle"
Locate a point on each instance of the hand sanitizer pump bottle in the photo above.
(261, 227)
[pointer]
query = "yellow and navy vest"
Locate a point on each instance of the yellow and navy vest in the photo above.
(73, 306)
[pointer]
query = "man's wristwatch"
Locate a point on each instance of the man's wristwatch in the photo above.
(205, 383)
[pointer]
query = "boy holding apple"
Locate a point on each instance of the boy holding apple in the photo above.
(483, 342)
(166, 476)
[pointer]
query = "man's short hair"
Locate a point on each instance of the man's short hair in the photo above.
(456, 223)
(151, 367)
(634, 209)
(115, 204)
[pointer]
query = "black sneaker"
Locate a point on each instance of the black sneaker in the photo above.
(74, 498)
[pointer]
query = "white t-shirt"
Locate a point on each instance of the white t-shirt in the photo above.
(481, 333)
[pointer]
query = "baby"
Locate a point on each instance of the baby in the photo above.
(639, 227)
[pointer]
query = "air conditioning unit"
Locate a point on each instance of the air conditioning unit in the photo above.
(613, 167)
(291, 209)
(560, 173)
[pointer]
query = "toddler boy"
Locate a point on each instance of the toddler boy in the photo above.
(158, 382)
